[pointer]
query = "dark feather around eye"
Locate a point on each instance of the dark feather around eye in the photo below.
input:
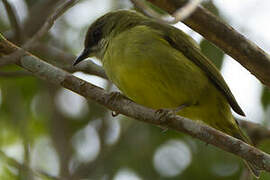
(93, 36)
(96, 34)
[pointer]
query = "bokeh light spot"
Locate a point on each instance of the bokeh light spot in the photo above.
(71, 104)
(86, 144)
(172, 158)
(126, 174)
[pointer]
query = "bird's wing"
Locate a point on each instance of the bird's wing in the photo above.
(182, 42)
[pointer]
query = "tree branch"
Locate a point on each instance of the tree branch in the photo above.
(15, 56)
(64, 60)
(13, 18)
(37, 15)
(8, 74)
(225, 37)
(179, 15)
(49, 23)
(127, 107)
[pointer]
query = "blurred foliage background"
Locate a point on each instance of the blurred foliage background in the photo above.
(47, 132)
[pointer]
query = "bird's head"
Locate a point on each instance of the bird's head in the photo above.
(104, 29)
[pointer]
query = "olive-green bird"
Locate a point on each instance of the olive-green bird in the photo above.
(159, 66)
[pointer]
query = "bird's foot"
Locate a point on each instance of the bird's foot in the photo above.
(164, 114)
(115, 113)
(113, 96)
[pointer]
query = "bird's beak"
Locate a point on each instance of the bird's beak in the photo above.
(82, 56)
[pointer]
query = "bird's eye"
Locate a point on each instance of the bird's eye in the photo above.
(97, 34)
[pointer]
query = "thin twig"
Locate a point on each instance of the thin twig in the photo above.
(184, 12)
(49, 23)
(38, 14)
(14, 21)
(179, 15)
(12, 58)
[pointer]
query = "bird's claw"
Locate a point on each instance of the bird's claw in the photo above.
(164, 114)
(113, 96)
(173, 111)
(114, 113)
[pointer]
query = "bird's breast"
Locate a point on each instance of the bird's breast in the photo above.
(152, 73)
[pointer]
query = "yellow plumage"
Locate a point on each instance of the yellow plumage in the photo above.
(164, 78)
(159, 66)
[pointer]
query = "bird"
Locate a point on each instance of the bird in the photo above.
(161, 67)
